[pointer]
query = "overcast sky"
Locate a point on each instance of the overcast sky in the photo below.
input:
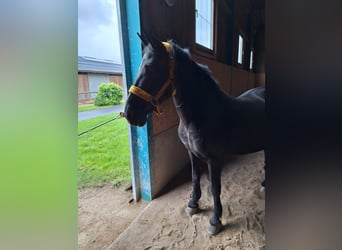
(98, 34)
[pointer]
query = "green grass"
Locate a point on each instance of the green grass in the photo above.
(103, 153)
(93, 107)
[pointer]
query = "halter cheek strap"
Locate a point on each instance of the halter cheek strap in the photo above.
(146, 97)
(154, 100)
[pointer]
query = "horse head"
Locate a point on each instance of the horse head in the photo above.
(152, 80)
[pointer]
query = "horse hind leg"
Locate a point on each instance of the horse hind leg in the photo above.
(196, 187)
(215, 181)
(260, 192)
(267, 158)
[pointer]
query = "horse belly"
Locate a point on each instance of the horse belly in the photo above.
(248, 141)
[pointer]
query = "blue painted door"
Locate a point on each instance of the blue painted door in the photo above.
(141, 137)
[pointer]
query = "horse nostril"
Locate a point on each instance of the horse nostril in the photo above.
(126, 111)
(128, 114)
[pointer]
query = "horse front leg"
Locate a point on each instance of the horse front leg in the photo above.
(215, 181)
(196, 187)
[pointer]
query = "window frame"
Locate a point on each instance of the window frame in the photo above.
(202, 50)
(240, 34)
(251, 59)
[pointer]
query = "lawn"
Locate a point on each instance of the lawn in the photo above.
(93, 107)
(88, 107)
(103, 153)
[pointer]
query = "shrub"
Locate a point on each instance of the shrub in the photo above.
(108, 94)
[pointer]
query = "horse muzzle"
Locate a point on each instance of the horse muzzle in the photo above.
(134, 116)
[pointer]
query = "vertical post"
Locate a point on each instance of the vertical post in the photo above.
(140, 136)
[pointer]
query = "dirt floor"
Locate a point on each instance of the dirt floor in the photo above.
(107, 220)
(103, 214)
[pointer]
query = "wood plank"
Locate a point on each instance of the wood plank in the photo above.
(83, 87)
(116, 79)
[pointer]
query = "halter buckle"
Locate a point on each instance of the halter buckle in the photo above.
(158, 110)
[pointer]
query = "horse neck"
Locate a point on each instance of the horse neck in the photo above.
(195, 88)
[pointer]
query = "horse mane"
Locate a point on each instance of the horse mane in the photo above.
(184, 56)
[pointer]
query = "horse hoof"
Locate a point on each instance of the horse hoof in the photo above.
(191, 211)
(214, 229)
(260, 193)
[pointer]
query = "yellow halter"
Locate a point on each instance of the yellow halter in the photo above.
(154, 100)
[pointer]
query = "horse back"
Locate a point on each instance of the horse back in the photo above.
(239, 123)
(254, 94)
(249, 121)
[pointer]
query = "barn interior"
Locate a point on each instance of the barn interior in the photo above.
(226, 35)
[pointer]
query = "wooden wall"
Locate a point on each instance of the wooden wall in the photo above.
(231, 17)
(176, 22)
(83, 87)
(116, 79)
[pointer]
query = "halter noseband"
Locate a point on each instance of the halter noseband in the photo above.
(154, 100)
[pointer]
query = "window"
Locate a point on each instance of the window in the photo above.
(251, 60)
(240, 50)
(205, 23)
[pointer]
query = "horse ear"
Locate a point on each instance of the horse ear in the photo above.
(156, 44)
(143, 39)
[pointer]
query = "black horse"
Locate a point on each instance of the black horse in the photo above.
(213, 125)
